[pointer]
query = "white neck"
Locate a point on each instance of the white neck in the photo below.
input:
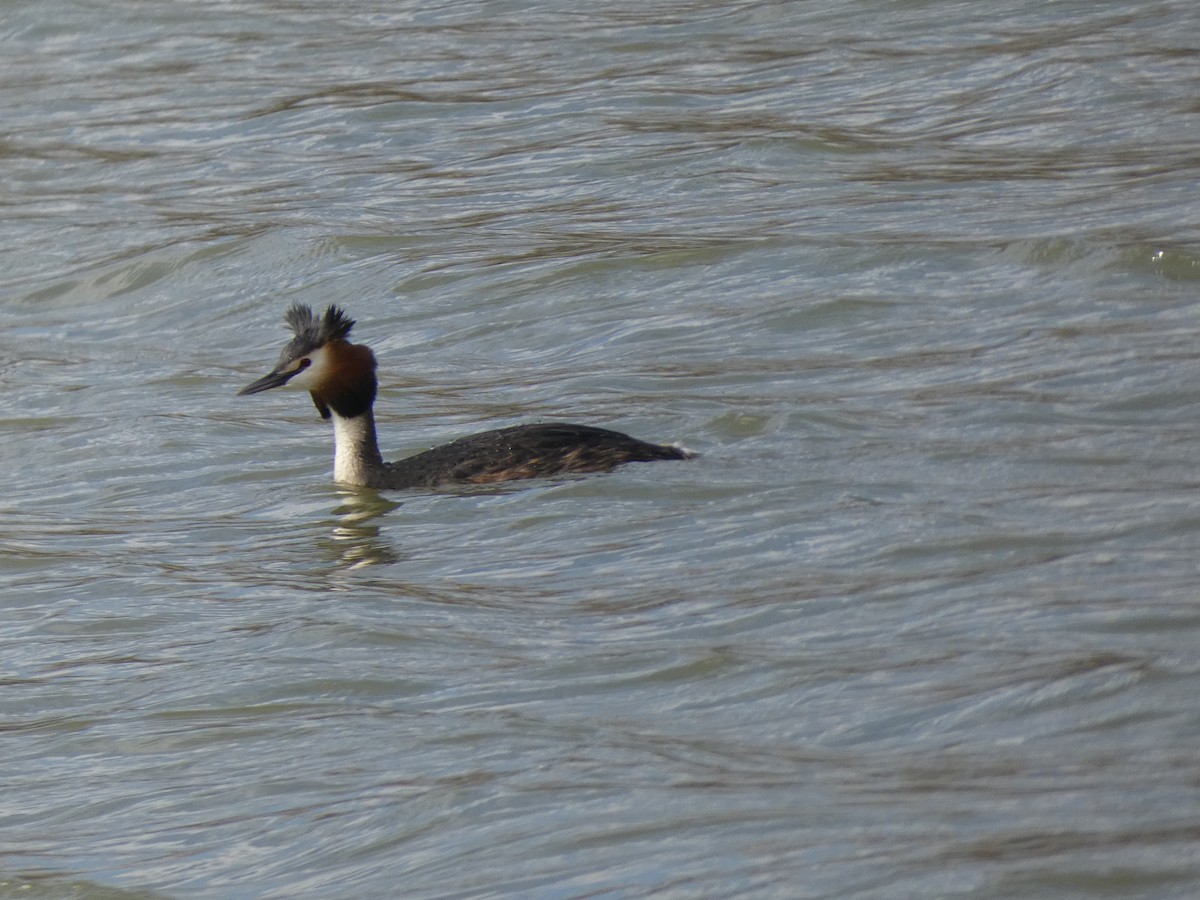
(355, 449)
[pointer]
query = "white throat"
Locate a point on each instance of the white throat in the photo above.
(355, 450)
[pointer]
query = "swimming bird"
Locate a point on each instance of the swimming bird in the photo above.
(340, 377)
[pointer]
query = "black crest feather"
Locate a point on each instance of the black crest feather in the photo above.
(312, 331)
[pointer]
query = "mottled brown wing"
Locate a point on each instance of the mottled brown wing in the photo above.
(531, 451)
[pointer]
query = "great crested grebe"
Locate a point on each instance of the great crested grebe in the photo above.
(340, 376)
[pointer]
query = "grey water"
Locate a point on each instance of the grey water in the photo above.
(920, 281)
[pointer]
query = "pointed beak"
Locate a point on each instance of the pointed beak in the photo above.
(274, 380)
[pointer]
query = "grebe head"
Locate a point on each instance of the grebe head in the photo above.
(339, 375)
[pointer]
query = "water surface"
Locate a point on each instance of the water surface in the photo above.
(918, 280)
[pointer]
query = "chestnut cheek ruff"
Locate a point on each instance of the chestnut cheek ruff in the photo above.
(349, 387)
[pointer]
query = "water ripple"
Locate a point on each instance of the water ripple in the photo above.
(918, 282)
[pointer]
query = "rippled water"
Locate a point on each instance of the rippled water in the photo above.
(919, 280)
